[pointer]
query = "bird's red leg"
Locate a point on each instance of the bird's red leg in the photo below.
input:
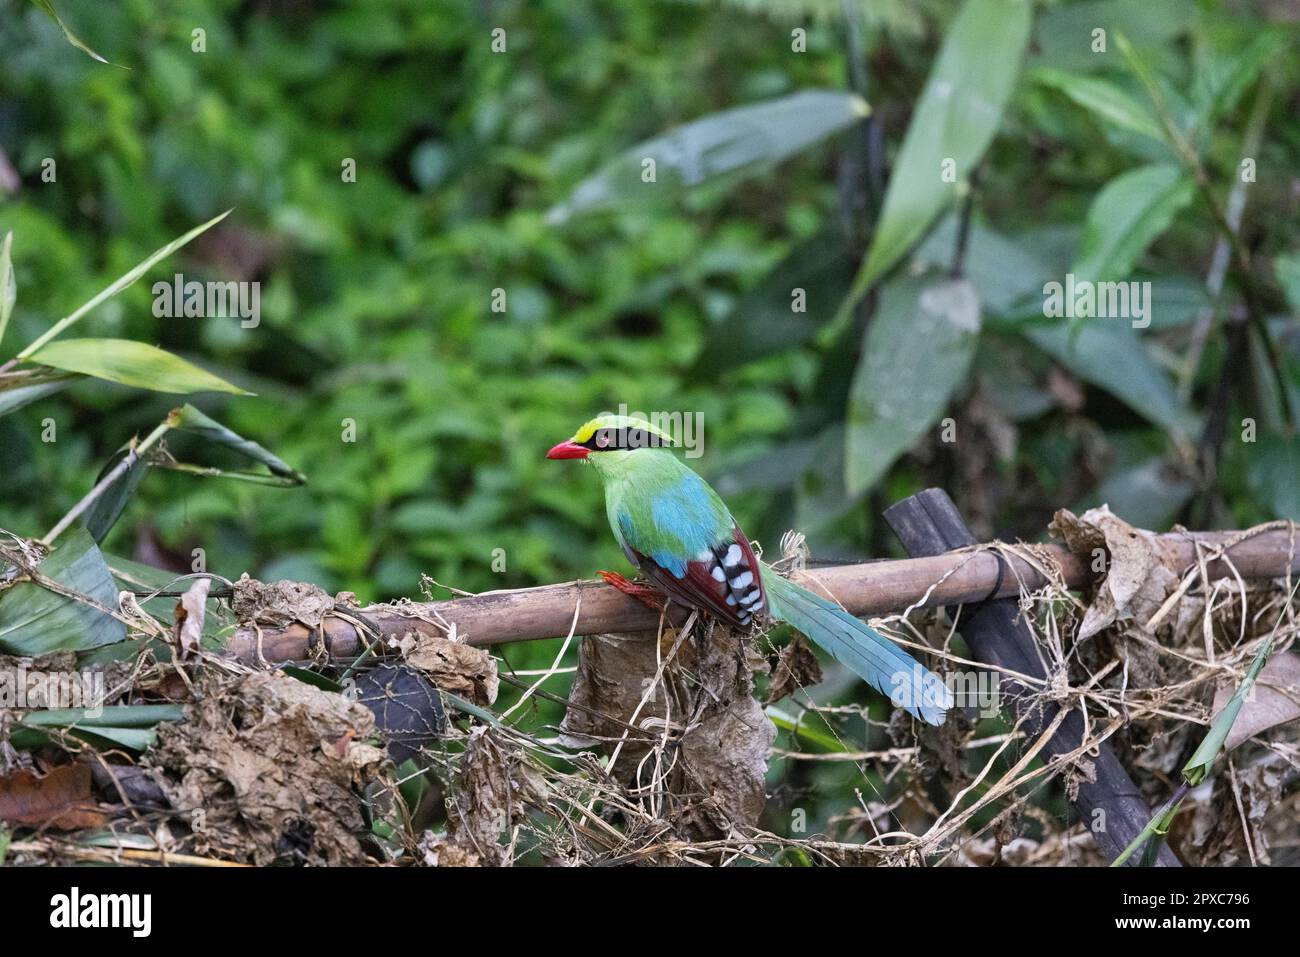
(646, 594)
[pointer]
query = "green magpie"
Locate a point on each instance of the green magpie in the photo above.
(679, 533)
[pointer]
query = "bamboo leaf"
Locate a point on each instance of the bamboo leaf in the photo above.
(107, 507)
(16, 391)
(35, 620)
(131, 363)
(313, 678)
(100, 518)
(122, 282)
(138, 577)
(47, 7)
(954, 122)
(1104, 99)
(802, 729)
(733, 141)
(114, 716)
(1198, 766)
(917, 352)
(1273, 702)
(8, 285)
(1126, 217)
(192, 420)
(1153, 834)
(125, 726)
(460, 704)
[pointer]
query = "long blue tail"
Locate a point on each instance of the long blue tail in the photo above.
(869, 654)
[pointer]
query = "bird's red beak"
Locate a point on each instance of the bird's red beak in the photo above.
(568, 450)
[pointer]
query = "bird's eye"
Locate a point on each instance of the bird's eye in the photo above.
(602, 439)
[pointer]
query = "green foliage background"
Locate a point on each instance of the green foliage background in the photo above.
(376, 294)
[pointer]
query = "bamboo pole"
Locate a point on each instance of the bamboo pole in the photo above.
(999, 635)
(867, 589)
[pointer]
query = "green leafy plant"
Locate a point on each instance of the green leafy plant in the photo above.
(68, 600)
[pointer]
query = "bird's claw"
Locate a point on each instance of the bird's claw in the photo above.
(646, 594)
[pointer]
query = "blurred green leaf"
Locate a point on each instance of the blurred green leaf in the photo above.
(131, 363)
(1221, 79)
(765, 320)
(730, 142)
(899, 17)
(17, 391)
(1109, 354)
(8, 285)
(1175, 300)
(1287, 270)
(35, 620)
(821, 497)
(1126, 217)
(916, 355)
(1007, 270)
(954, 122)
(1274, 471)
(1148, 494)
(1065, 34)
(1104, 99)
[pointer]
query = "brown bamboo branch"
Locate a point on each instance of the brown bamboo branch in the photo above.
(871, 588)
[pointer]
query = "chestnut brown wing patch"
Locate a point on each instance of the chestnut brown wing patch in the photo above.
(727, 583)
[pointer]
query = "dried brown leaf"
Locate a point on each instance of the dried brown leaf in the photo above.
(453, 666)
(187, 626)
(726, 754)
(606, 690)
(480, 808)
(267, 768)
(796, 667)
(280, 603)
(60, 799)
(1140, 574)
(1216, 833)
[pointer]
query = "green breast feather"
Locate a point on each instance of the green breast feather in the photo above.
(660, 508)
